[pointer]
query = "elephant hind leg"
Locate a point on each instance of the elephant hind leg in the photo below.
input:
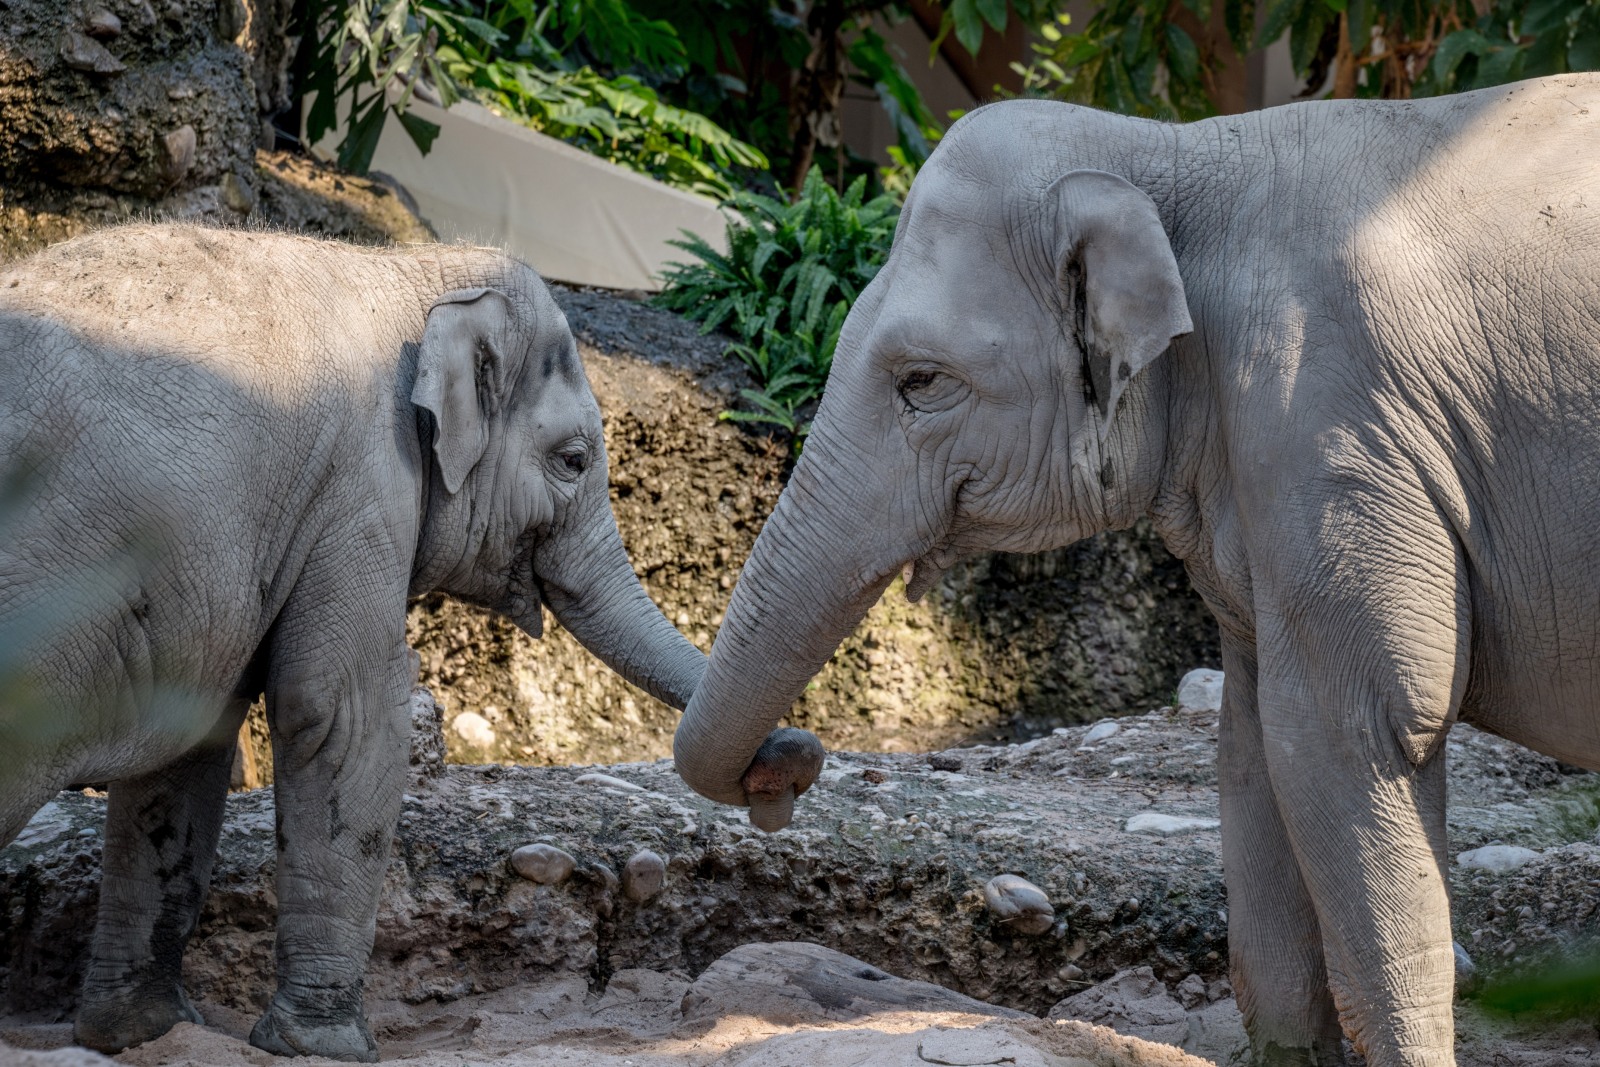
(160, 842)
(1274, 941)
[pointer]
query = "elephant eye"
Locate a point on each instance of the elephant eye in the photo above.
(570, 460)
(927, 389)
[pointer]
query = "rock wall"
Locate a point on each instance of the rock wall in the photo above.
(146, 98)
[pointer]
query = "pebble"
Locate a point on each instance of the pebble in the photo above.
(104, 25)
(544, 864)
(1497, 858)
(1201, 690)
(474, 729)
(1151, 822)
(1466, 970)
(1019, 904)
(643, 876)
(608, 782)
(1100, 731)
(87, 54)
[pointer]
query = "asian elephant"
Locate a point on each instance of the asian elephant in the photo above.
(233, 457)
(1345, 355)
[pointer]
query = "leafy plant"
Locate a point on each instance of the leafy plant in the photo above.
(366, 45)
(1129, 58)
(783, 289)
(517, 57)
(619, 119)
(1163, 58)
(1562, 988)
(1517, 39)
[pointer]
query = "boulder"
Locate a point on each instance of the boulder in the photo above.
(792, 983)
(1497, 859)
(95, 101)
(1201, 689)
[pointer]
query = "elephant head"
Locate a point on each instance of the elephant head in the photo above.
(991, 390)
(518, 508)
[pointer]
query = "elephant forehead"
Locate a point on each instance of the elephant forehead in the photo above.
(955, 317)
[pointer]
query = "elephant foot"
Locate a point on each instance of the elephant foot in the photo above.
(1324, 1054)
(284, 1032)
(114, 1019)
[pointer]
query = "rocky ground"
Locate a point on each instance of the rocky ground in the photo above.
(887, 861)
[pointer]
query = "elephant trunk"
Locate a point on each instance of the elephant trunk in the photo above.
(589, 584)
(821, 562)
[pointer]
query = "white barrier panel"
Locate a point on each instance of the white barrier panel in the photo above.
(573, 217)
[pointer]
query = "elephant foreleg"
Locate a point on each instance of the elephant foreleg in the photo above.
(1274, 942)
(160, 841)
(336, 704)
(1363, 660)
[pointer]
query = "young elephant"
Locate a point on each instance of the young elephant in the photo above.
(1375, 442)
(242, 454)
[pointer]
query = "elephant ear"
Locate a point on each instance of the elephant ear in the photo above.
(1116, 258)
(460, 372)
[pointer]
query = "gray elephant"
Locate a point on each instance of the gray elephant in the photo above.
(241, 454)
(1346, 357)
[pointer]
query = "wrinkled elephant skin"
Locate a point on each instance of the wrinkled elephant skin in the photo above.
(231, 458)
(1345, 355)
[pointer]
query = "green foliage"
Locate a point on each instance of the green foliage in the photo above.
(914, 125)
(1567, 988)
(1141, 57)
(1517, 39)
(517, 56)
(520, 74)
(784, 287)
(967, 18)
(362, 47)
(655, 85)
(1129, 58)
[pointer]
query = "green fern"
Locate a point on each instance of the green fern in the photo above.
(784, 287)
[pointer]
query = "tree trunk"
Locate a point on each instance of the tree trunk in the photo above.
(818, 87)
(1346, 65)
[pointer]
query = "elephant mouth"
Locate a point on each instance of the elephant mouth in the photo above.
(525, 595)
(921, 573)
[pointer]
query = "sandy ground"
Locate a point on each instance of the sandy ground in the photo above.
(646, 1019)
(638, 1022)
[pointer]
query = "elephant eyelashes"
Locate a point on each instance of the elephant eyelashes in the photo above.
(913, 383)
(924, 389)
(571, 462)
